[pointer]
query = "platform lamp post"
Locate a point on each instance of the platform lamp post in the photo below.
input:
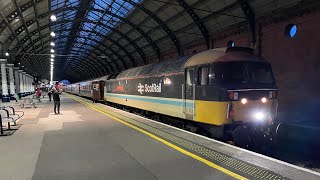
(5, 94)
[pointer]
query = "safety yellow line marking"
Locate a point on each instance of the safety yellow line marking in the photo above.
(224, 170)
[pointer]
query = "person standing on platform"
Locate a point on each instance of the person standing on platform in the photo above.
(39, 92)
(56, 100)
(49, 94)
(57, 86)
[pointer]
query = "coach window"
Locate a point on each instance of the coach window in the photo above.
(190, 76)
(203, 76)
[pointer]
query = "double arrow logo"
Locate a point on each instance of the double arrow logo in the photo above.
(140, 88)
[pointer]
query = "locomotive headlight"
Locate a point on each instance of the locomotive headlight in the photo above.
(244, 101)
(259, 116)
(263, 100)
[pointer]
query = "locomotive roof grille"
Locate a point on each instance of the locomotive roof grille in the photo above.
(225, 54)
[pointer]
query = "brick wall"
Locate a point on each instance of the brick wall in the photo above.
(295, 61)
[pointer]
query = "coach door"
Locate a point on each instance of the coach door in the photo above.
(189, 94)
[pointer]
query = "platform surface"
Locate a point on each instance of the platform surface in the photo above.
(93, 141)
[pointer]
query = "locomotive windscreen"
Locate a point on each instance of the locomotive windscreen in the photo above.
(241, 72)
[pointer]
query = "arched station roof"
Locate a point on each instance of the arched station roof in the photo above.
(94, 38)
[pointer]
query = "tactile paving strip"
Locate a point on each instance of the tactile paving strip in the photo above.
(245, 169)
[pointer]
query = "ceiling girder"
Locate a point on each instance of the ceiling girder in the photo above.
(49, 47)
(25, 27)
(12, 32)
(204, 19)
(109, 48)
(92, 66)
(141, 53)
(38, 24)
(204, 31)
(124, 20)
(76, 25)
(163, 25)
(114, 52)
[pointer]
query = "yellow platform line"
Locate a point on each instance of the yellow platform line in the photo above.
(209, 163)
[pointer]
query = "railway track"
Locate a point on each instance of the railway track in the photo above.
(291, 144)
(301, 151)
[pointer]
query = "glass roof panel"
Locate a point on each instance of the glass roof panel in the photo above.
(92, 32)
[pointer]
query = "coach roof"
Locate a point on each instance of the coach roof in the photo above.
(223, 54)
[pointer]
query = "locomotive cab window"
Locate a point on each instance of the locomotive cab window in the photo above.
(260, 73)
(190, 77)
(203, 76)
(241, 72)
(229, 72)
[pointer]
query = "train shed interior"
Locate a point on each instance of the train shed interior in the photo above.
(159, 89)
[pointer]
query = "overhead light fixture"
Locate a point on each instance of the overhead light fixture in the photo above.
(53, 17)
(52, 50)
(52, 44)
(53, 34)
(7, 54)
(51, 59)
(19, 63)
(52, 55)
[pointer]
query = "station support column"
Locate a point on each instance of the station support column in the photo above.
(27, 84)
(30, 84)
(17, 80)
(21, 94)
(11, 81)
(5, 94)
(24, 84)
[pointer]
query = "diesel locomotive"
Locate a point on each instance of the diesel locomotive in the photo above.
(227, 92)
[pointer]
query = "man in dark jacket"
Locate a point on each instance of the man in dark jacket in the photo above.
(56, 100)
(49, 94)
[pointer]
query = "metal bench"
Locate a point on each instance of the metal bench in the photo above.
(8, 115)
(27, 102)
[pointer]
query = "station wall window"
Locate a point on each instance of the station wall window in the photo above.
(290, 30)
(203, 75)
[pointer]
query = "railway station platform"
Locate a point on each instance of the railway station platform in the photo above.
(93, 141)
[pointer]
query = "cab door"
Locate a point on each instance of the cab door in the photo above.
(189, 94)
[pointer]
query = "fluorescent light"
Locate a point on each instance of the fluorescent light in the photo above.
(53, 34)
(52, 50)
(52, 44)
(52, 55)
(51, 60)
(53, 17)
(7, 54)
